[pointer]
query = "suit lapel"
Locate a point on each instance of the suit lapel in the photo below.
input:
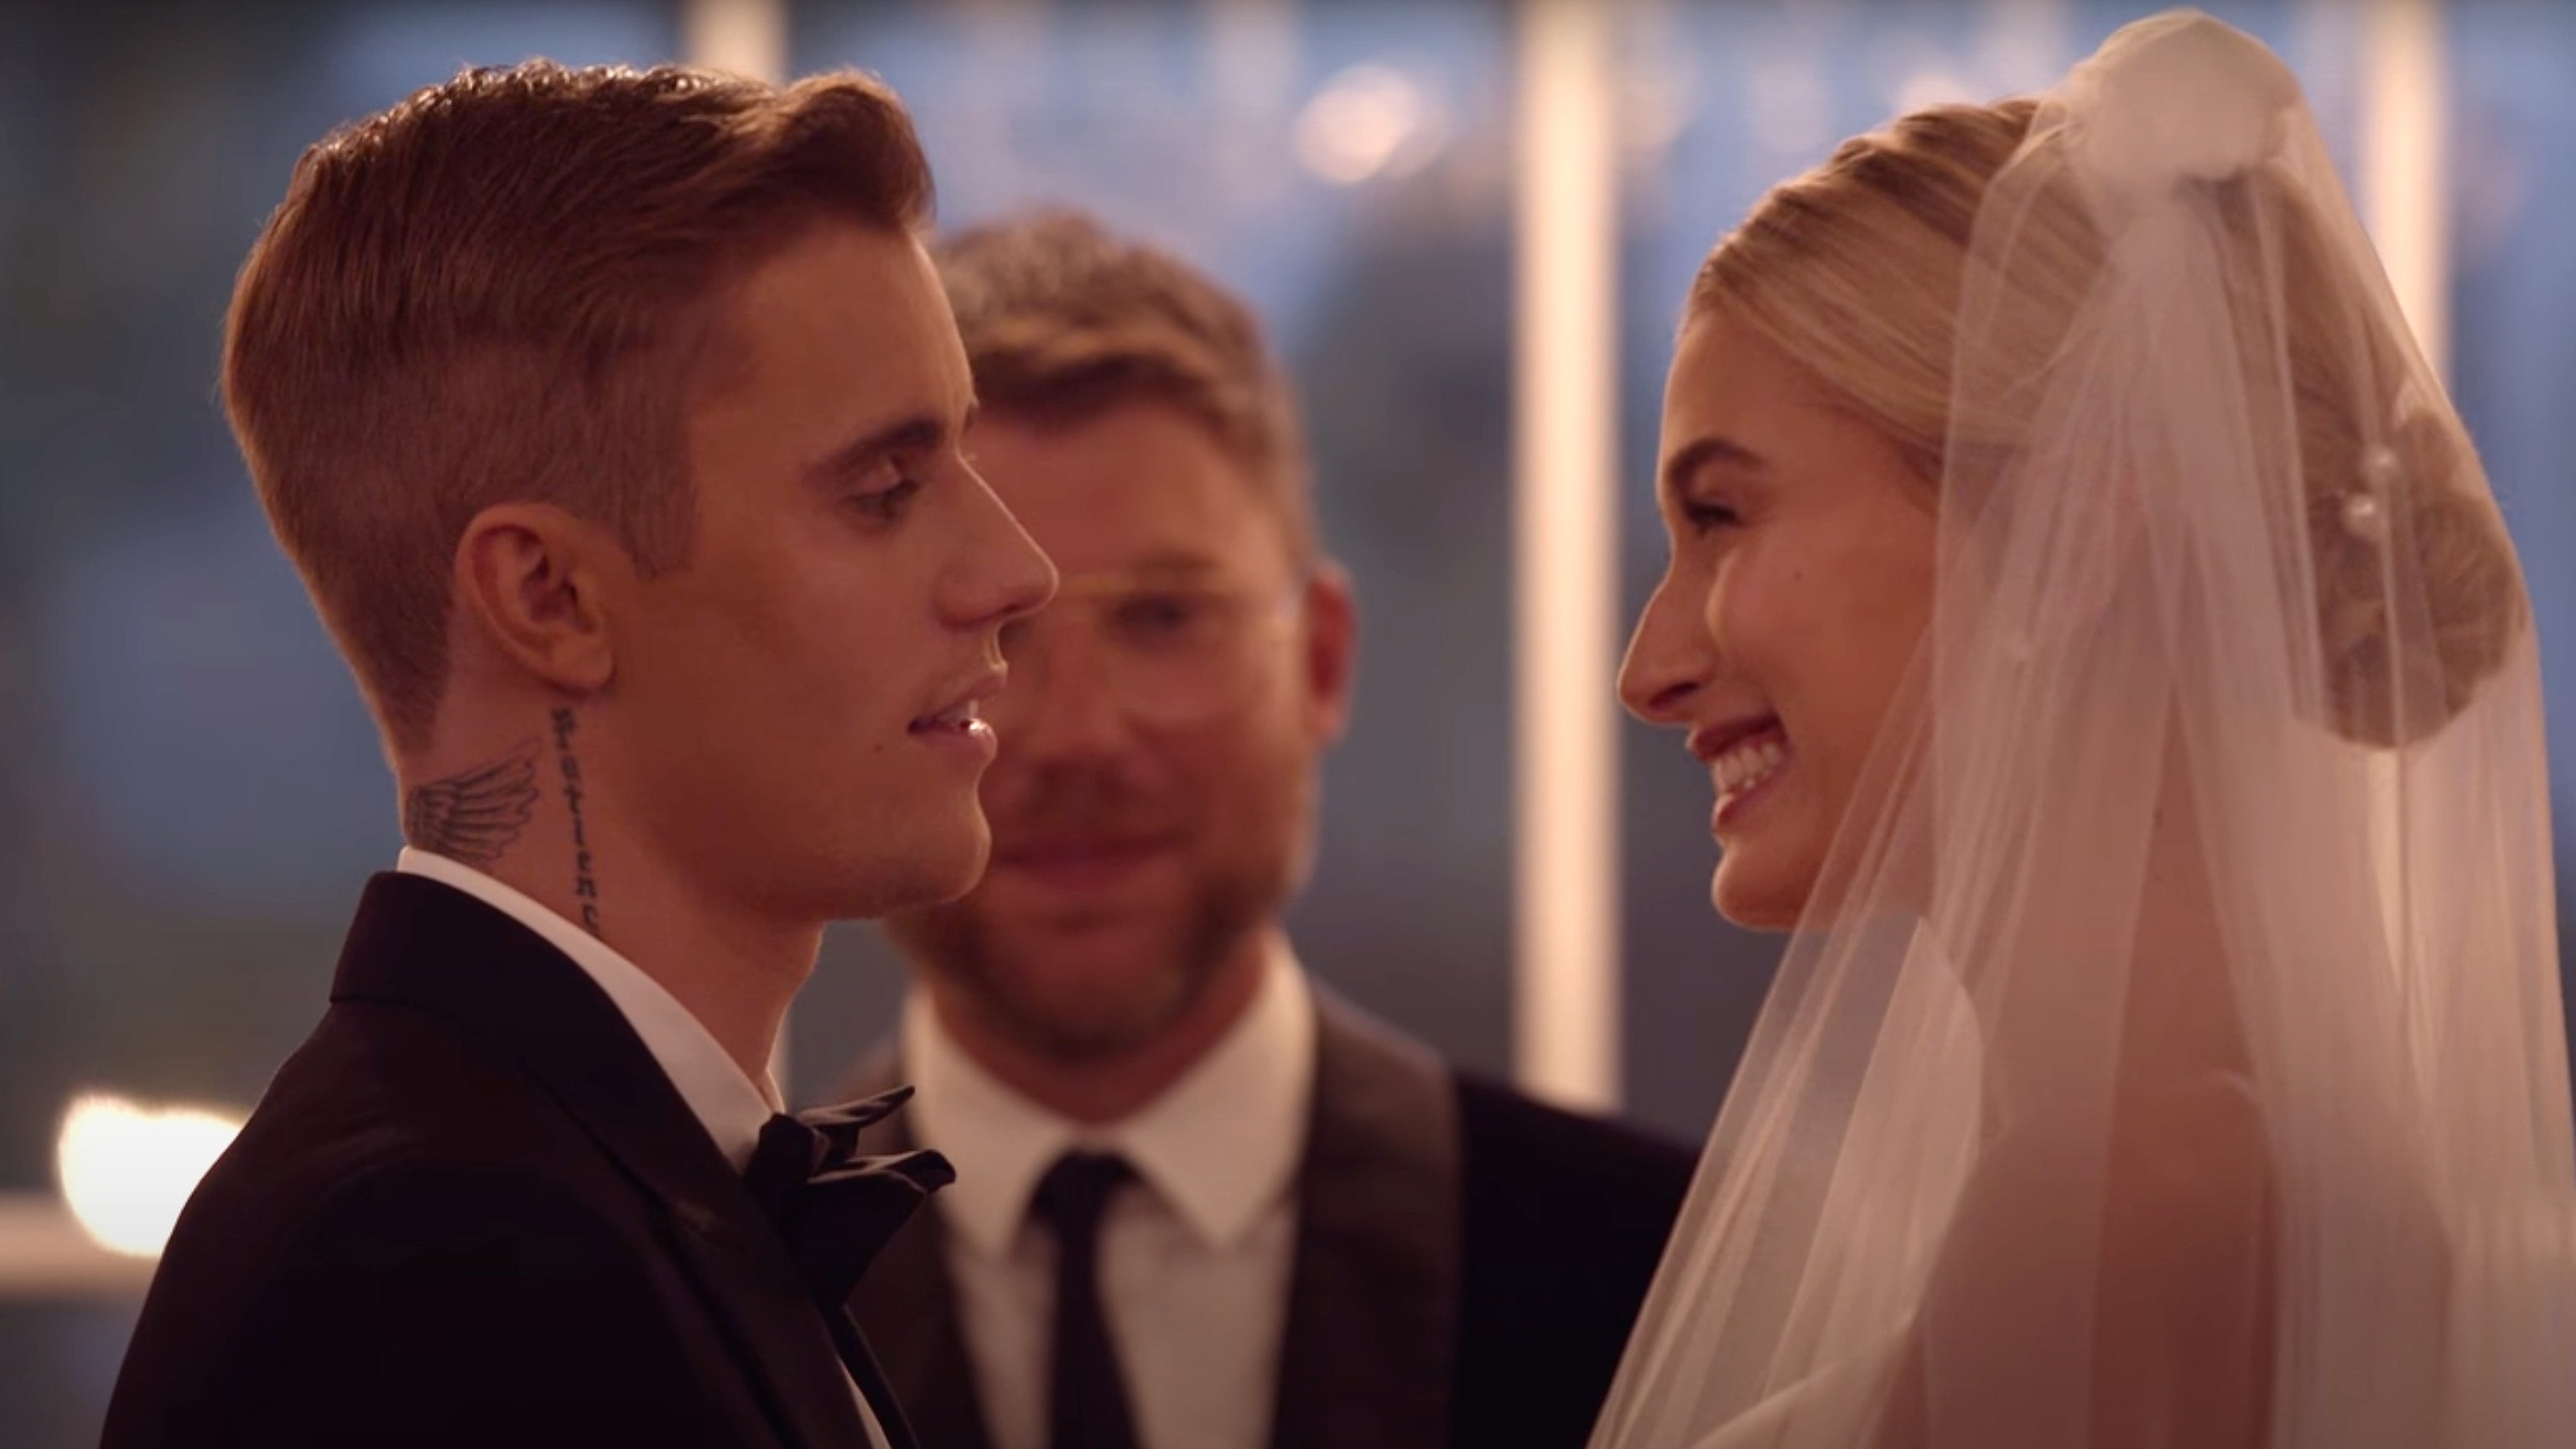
(424, 945)
(909, 1306)
(1371, 1344)
(775, 1329)
(870, 1377)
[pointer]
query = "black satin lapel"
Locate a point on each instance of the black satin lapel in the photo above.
(908, 1308)
(869, 1375)
(778, 1331)
(1370, 1349)
(424, 945)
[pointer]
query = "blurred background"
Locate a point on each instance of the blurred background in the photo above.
(191, 794)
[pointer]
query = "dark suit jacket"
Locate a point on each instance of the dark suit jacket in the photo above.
(1468, 1262)
(473, 1210)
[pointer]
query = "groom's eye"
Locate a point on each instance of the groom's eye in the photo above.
(887, 503)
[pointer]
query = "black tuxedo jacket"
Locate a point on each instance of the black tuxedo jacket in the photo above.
(1468, 1262)
(473, 1210)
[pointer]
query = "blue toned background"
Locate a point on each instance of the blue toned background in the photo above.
(192, 794)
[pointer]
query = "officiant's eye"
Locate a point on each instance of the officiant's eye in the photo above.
(1164, 620)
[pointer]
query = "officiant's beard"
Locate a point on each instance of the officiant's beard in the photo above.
(1008, 968)
(1057, 1019)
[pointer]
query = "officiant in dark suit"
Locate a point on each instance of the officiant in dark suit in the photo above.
(600, 411)
(1202, 1202)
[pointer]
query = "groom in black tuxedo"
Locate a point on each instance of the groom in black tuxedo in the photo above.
(1202, 1202)
(613, 421)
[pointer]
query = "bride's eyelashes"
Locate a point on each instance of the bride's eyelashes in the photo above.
(1707, 517)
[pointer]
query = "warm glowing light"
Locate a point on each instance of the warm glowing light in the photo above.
(746, 37)
(1369, 121)
(1565, 567)
(127, 1169)
(2403, 147)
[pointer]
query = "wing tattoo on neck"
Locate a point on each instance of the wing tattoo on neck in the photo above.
(474, 816)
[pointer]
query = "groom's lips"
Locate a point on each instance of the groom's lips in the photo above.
(957, 720)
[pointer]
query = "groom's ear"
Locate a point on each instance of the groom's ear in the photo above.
(537, 580)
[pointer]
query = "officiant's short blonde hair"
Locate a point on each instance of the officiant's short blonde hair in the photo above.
(509, 287)
(1855, 269)
(1064, 320)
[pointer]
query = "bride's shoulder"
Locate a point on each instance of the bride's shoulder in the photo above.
(2187, 1138)
(2184, 1171)
(2156, 1211)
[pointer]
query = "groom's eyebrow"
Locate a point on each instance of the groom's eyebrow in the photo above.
(860, 456)
(918, 433)
(1703, 452)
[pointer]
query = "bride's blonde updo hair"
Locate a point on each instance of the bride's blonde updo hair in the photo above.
(1855, 270)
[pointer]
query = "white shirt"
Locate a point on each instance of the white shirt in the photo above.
(1194, 1257)
(726, 1101)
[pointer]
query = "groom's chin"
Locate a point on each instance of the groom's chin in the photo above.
(936, 864)
(948, 865)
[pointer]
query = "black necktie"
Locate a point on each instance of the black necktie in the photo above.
(1087, 1398)
(835, 1209)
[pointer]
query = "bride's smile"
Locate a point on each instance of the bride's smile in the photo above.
(1797, 592)
(1743, 759)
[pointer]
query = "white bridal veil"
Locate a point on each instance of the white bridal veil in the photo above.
(2172, 1053)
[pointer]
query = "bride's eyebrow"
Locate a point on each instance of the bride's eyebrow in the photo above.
(1712, 450)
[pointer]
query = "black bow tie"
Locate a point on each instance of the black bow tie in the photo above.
(834, 1208)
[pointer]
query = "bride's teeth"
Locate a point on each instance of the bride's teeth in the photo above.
(1748, 764)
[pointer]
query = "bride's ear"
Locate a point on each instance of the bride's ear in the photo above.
(1331, 648)
(536, 580)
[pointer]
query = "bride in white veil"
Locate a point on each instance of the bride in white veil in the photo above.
(2110, 660)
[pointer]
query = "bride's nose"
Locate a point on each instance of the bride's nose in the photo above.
(1670, 657)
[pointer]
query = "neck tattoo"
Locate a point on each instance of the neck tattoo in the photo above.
(585, 886)
(474, 816)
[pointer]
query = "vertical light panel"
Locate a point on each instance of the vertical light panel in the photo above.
(746, 37)
(2405, 105)
(2404, 99)
(1565, 1003)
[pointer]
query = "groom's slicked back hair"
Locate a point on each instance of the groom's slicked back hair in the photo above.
(508, 287)
(1065, 320)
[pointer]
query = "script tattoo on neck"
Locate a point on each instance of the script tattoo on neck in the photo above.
(474, 816)
(585, 887)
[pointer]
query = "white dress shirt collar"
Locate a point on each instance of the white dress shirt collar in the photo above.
(729, 1104)
(1220, 1145)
